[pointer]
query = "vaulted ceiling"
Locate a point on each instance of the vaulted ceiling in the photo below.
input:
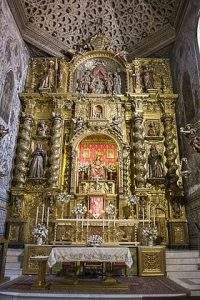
(141, 27)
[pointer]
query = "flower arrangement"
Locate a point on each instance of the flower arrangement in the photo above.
(111, 210)
(64, 198)
(133, 200)
(150, 234)
(83, 168)
(111, 168)
(80, 210)
(95, 240)
(40, 232)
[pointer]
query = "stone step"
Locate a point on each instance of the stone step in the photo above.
(185, 274)
(184, 261)
(13, 265)
(192, 285)
(182, 254)
(182, 267)
(15, 252)
(10, 272)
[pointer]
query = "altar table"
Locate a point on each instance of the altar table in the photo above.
(90, 254)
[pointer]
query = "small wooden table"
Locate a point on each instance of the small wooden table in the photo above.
(42, 266)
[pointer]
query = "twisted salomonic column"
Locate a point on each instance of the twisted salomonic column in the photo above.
(56, 148)
(126, 169)
(139, 151)
(170, 148)
(138, 85)
(23, 148)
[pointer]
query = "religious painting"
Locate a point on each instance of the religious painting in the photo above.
(96, 206)
(152, 128)
(99, 76)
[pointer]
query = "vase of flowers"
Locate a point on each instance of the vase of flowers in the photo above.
(40, 232)
(150, 234)
(79, 210)
(95, 240)
(111, 211)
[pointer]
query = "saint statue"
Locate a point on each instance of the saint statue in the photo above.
(153, 130)
(97, 112)
(47, 79)
(38, 163)
(155, 163)
(148, 77)
(42, 129)
(117, 83)
(97, 170)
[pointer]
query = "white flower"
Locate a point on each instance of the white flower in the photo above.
(111, 210)
(80, 209)
(40, 231)
(150, 233)
(95, 239)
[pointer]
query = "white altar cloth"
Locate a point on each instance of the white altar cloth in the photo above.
(90, 254)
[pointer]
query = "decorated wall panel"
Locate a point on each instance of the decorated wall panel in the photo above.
(13, 65)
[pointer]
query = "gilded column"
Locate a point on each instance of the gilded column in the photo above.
(139, 151)
(170, 148)
(56, 148)
(126, 168)
(23, 148)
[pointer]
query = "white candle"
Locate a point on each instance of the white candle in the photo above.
(103, 224)
(143, 216)
(82, 223)
(154, 219)
(149, 212)
(114, 221)
(42, 213)
(47, 217)
(37, 213)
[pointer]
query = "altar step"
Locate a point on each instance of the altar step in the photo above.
(13, 268)
(183, 268)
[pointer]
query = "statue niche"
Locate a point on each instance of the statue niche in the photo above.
(97, 165)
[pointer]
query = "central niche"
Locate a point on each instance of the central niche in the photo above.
(97, 166)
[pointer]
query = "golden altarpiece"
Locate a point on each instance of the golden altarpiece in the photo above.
(98, 133)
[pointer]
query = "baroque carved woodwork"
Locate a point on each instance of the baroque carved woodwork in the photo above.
(94, 132)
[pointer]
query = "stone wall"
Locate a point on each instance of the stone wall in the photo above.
(13, 65)
(186, 73)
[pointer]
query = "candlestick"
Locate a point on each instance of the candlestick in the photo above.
(37, 213)
(87, 228)
(42, 213)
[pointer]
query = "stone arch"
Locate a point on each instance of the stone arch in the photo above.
(6, 96)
